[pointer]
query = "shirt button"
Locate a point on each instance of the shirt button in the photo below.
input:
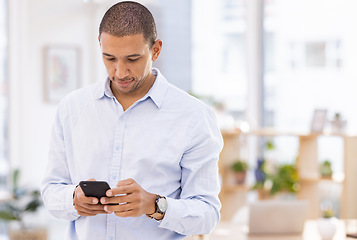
(111, 238)
(117, 148)
(114, 177)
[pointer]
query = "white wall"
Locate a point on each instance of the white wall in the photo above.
(175, 58)
(35, 24)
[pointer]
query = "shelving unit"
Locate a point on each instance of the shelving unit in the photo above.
(234, 196)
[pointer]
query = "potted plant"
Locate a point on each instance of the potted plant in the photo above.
(326, 170)
(240, 168)
(282, 179)
(285, 179)
(23, 201)
(327, 224)
(261, 177)
(337, 124)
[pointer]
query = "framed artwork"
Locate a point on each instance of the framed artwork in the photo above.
(318, 120)
(61, 72)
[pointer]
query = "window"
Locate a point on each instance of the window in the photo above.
(219, 52)
(309, 61)
(3, 95)
(309, 64)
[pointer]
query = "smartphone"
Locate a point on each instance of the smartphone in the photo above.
(94, 188)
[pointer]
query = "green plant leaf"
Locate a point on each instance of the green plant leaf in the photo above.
(15, 181)
(240, 166)
(35, 193)
(33, 205)
(8, 216)
(270, 145)
(285, 179)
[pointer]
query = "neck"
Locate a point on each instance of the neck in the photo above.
(128, 99)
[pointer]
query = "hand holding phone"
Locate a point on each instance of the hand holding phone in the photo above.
(96, 189)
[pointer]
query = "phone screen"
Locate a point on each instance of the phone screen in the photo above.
(94, 188)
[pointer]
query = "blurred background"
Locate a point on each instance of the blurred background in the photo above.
(283, 65)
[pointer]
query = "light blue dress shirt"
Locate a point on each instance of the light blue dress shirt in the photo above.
(167, 141)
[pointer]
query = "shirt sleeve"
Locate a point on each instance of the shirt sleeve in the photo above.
(197, 210)
(57, 189)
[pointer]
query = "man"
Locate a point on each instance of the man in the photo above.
(155, 145)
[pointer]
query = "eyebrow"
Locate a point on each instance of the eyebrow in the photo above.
(129, 56)
(108, 55)
(134, 55)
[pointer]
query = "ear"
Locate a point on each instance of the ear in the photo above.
(156, 49)
(100, 44)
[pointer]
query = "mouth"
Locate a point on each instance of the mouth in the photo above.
(123, 83)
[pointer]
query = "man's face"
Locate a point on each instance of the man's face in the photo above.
(128, 61)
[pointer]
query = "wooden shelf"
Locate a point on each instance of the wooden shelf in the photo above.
(308, 180)
(235, 142)
(234, 188)
(275, 132)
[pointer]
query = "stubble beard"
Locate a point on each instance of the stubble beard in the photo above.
(136, 83)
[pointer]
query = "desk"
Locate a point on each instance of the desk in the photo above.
(234, 231)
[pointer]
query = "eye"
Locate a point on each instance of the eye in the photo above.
(110, 59)
(132, 59)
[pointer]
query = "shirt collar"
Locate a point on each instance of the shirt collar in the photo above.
(103, 89)
(157, 92)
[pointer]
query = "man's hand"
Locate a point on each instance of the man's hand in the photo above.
(133, 200)
(87, 206)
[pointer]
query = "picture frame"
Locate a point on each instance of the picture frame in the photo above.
(318, 120)
(61, 71)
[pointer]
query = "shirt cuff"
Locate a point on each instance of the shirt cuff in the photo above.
(171, 218)
(68, 204)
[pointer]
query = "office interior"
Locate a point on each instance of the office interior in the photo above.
(279, 74)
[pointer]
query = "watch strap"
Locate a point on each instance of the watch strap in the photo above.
(157, 213)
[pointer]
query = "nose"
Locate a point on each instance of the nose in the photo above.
(121, 70)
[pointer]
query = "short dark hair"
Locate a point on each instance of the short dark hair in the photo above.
(129, 18)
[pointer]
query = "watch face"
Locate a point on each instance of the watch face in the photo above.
(162, 204)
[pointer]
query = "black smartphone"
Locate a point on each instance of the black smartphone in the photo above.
(94, 188)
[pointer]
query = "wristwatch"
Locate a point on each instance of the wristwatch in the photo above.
(160, 206)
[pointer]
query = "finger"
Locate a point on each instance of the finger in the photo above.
(85, 214)
(121, 207)
(90, 209)
(96, 207)
(130, 213)
(83, 198)
(123, 187)
(126, 182)
(89, 206)
(88, 200)
(88, 214)
(118, 199)
(86, 211)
